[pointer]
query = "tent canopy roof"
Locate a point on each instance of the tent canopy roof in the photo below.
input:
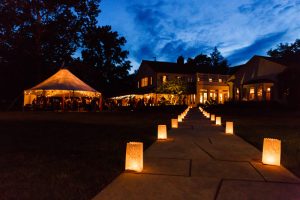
(64, 80)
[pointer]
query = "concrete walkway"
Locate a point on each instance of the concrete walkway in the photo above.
(200, 162)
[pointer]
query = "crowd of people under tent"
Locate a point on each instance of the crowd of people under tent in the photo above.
(65, 104)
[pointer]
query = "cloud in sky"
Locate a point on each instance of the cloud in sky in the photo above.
(168, 28)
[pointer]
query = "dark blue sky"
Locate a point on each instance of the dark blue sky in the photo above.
(168, 28)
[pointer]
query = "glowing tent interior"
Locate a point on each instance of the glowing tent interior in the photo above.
(62, 86)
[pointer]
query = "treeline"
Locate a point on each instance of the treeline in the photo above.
(38, 37)
(289, 54)
(212, 63)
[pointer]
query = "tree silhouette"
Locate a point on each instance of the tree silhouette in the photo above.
(180, 60)
(36, 37)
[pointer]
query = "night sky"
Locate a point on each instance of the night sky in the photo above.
(168, 28)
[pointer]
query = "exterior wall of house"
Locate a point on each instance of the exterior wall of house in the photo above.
(256, 81)
(212, 87)
(146, 77)
(190, 78)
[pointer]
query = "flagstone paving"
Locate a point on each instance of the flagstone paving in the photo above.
(199, 161)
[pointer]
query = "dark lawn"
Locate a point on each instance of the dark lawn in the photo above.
(253, 122)
(69, 155)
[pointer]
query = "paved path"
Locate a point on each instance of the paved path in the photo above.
(200, 162)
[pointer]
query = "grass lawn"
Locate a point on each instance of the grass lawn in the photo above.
(46, 155)
(253, 122)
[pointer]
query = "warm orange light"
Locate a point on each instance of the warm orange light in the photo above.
(218, 121)
(212, 118)
(174, 123)
(208, 115)
(134, 156)
(162, 132)
(179, 118)
(229, 128)
(271, 151)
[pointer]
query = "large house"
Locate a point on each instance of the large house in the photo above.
(256, 80)
(204, 86)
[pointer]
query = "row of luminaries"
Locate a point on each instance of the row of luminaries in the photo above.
(134, 150)
(271, 147)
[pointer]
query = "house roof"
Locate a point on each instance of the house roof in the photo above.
(234, 69)
(275, 60)
(168, 67)
(171, 67)
(258, 81)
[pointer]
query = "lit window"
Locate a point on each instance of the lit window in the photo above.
(164, 78)
(252, 95)
(220, 80)
(237, 90)
(151, 82)
(198, 79)
(144, 82)
(269, 89)
(210, 80)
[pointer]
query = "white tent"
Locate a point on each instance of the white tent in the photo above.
(62, 84)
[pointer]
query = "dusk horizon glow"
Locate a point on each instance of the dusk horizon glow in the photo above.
(167, 29)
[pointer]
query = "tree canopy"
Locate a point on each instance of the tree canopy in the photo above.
(289, 79)
(286, 52)
(213, 63)
(37, 37)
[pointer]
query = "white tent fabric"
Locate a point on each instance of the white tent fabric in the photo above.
(61, 84)
(63, 80)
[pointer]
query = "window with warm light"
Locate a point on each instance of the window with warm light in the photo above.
(210, 80)
(259, 93)
(151, 81)
(198, 79)
(252, 94)
(220, 80)
(268, 94)
(164, 78)
(144, 82)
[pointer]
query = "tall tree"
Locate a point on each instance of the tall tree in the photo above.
(180, 60)
(218, 62)
(214, 63)
(102, 52)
